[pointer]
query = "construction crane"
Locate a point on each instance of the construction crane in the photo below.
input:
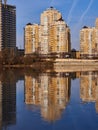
(5, 1)
(0, 1)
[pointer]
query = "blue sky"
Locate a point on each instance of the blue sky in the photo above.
(76, 14)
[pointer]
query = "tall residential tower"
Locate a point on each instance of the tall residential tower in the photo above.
(89, 41)
(51, 36)
(7, 26)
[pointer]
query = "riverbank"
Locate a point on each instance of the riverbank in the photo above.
(56, 62)
(58, 65)
(35, 66)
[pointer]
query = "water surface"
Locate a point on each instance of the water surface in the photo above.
(48, 101)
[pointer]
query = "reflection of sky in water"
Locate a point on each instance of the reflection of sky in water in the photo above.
(67, 105)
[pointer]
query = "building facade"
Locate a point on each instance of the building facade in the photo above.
(53, 34)
(89, 41)
(48, 17)
(31, 38)
(59, 41)
(7, 26)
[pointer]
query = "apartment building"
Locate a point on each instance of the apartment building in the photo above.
(89, 41)
(7, 26)
(31, 38)
(53, 34)
(48, 17)
(59, 38)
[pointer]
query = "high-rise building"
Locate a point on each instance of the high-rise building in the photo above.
(7, 26)
(51, 36)
(59, 38)
(89, 41)
(48, 17)
(31, 38)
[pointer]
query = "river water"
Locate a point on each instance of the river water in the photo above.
(48, 101)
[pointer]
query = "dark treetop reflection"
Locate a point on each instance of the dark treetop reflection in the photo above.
(51, 101)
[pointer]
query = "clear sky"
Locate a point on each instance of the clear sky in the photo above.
(76, 14)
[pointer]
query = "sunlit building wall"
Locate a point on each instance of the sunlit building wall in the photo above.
(40, 45)
(31, 38)
(89, 41)
(59, 38)
(48, 17)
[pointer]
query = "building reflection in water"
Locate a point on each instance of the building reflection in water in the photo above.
(7, 100)
(50, 92)
(0, 105)
(89, 87)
